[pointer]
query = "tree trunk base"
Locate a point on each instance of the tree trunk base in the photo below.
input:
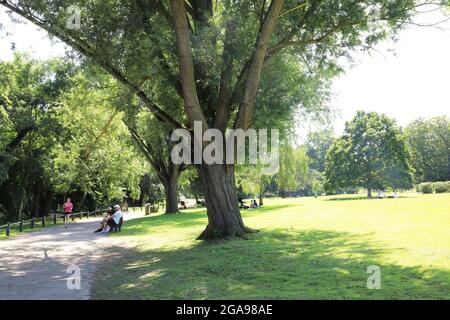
(210, 234)
(224, 217)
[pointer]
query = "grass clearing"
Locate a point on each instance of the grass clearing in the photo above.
(307, 249)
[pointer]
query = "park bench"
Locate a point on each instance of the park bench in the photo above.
(118, 228)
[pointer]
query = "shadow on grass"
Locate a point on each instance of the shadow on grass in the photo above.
(276, 264)
(185, 218)
(272, 207)
(365, 198)
(144, 225)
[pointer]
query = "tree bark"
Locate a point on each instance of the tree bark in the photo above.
(224, 217)
(170, 188)
(369, 192)
(261, 201)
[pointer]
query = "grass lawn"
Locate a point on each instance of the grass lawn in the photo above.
(307, 249)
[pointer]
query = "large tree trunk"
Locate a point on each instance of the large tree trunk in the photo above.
(170, 188)
(369, 192)
(224, 217)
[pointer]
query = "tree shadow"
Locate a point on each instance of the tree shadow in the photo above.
(274, 207)
(185, 218)
(276, 264)
(351, 198)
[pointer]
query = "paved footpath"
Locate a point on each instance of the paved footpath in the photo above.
(35, 265)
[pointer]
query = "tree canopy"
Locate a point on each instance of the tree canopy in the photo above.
(429, 141)
(372, 154)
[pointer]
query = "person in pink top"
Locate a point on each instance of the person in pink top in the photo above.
(67, 207)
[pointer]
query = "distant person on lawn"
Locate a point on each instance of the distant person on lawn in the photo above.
(253, 204)
(115, 218)
(67, 207)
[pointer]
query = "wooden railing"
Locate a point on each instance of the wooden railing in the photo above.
(52, 218)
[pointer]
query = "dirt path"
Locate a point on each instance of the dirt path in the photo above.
(35, 265)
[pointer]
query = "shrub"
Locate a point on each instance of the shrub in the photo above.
(447, 185)
(426, 187)
(441, 187)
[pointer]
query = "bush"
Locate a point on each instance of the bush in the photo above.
(426, 187)
(447, 185)
(441, 187)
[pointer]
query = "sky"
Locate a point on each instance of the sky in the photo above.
(411, 82)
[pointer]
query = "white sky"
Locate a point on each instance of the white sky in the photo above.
(414, 82)
(411, 82)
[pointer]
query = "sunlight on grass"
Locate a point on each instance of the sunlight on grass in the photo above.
(307, 248)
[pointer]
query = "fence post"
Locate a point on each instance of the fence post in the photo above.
(43, 221)
(32, 223)
(8, 226)
(21, 226)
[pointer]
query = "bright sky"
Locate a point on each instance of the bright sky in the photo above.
(414, 82)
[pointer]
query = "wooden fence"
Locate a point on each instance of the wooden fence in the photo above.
(51, 219)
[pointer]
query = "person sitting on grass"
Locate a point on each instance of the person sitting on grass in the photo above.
(381, 195)
(104, 223)
(114, 221)
(254, 205)
(242, 205)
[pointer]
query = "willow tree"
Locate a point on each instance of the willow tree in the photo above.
(213, 54)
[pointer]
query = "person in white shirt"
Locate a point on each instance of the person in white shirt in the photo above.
(114, 221)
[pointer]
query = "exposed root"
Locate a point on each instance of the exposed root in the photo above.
(210, 235)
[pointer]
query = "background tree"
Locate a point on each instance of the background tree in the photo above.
(317, 144)
(30, 131)
(293, 173)
(372, 154)
(96, 158)
(152, 190)
(152, 138)
(213, 54)
(429, 141)
(61, 136)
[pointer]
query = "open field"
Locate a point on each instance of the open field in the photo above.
(307, 249)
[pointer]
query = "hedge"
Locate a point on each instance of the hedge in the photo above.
(430, 187)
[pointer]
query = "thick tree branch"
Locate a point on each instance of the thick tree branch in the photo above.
(190, 97)
(225, 94)
(253, 75)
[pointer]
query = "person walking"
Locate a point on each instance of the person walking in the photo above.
(67, 207)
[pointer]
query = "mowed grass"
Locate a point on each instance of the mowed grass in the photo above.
(306, 249)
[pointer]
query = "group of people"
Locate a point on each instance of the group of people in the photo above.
(381, 195)
(253, 204)
(112, 218)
